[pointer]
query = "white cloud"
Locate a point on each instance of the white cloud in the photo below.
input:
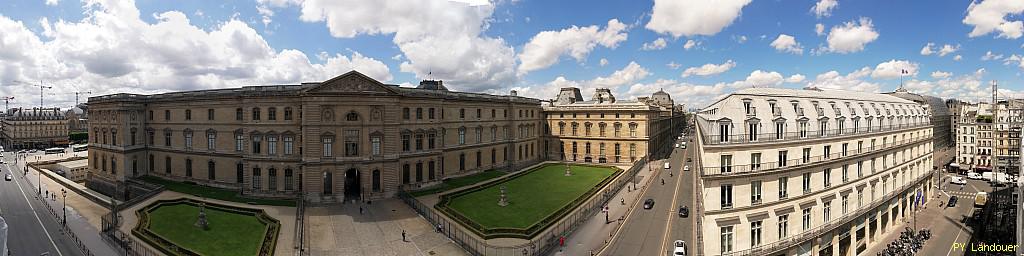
(819, 29)
(693, 95)
(941, 75)
(740, 39)
(693, 17)
(958, 57)
(787, 43)
(824, 8)
(112, 50)
(546, 47)
(990, 15)
(927, 49)
(673, 65)
(759, 78)
(603, 62)
(450, 44)
(893, 68)
(709, 69)
(657, 44)
(990, 56)
(851, 81)
(52, 2)
(851, 36)
(690, 44)
(795, 78)
(629, 74)
(947, 49)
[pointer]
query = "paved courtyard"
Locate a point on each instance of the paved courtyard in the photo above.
(340, 230)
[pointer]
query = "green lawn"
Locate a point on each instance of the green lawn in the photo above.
(215, 193)
(532, 197)
(229, 233)
(459, 182)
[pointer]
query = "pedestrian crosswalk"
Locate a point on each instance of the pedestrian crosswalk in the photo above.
(963, 194)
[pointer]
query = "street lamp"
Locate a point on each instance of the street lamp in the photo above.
(64, 209)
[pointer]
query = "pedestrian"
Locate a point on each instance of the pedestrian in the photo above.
(622, 200)
(440, 229)
(360, 210)
(403, 235)
(662, 181)
(561, 241)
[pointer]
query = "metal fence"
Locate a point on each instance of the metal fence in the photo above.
(64, 229)
(800, 161)
(746, 138)
(542, 244)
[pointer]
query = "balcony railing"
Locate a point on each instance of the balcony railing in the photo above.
(771, 166)
(788, 242)
(718, 139)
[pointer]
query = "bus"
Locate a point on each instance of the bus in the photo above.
(80, 147)
(54, 151)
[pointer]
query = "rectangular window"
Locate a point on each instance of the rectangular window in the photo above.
(827, 211)
(755, 161)
(845, 146)
(726, 164)
(828, 177)
(726, 196)
(727, 239)
(375, 145)
(211, 141)
(807, 183)
(289, 141)
(783, 158)
(783, 184)
(239, 142)
(807, 219)
(846, 173)
(806, 156)
(828, 151)
(272, 145)
(846, 202)
(755, 192)
(755, 233)
(351, 142)
(188, 140)
(256, 147)
(406, 144)
(167, 139)
(783, 225)
(328, 143)
(209, 114)
(430, 140)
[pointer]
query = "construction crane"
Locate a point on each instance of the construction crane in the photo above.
(7, 102)
(41, 87)
(80, 93)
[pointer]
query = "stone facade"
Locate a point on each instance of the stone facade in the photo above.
(346, 138)
(809, 172)
(35, 128)
(606, 130)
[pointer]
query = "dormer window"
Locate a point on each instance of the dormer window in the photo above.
(748, 108)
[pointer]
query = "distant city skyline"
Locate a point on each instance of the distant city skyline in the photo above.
(950, 49)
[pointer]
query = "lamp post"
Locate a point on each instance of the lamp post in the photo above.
(64, 208)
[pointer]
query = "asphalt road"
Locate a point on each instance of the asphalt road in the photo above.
(31, 230)
(652, 231)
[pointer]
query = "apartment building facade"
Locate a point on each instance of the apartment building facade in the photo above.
(35, 128)
(809, 172)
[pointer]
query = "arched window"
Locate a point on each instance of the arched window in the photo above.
(256, 114)
(352, 116)
(287, 113)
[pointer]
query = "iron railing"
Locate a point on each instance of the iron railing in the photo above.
(791, 163)
(744, 138)
(788, 242)
(545, 243)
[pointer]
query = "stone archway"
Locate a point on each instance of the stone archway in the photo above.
(353, 188)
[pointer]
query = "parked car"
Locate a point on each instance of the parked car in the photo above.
(680, 248)
(684, 212)
(686, 168)
(649, 203)
(952, 201)
(958, 180)
(7, 177)
(689, 159)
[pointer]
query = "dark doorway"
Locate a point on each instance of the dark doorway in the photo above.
(328, 181)
(352, 185)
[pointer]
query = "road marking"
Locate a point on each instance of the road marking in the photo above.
(960, 230)
(675, 194)
(37, 218)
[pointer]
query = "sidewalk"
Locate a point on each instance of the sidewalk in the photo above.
(926, 218)
(83, 215)
(593, 236)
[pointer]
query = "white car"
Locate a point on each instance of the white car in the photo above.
(668, 165)
(958, 180)
(680, 248)
(686, 168)
(974, 175)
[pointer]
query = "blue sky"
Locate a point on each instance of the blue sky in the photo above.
(695, 50)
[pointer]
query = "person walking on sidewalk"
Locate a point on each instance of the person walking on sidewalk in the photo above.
(403, 236)
(622, 200)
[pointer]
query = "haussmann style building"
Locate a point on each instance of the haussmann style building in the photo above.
(35, 128)
(809, 172)
(347, 138)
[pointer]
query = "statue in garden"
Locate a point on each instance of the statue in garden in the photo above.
(202, 222)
